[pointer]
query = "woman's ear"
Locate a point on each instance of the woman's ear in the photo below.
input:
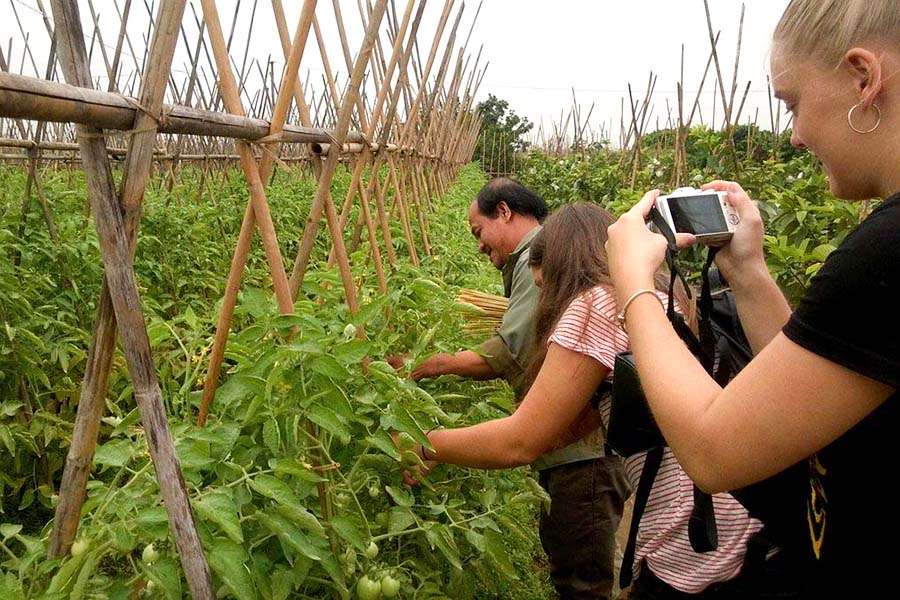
(864, 67)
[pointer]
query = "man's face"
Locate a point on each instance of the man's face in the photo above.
(490, 234)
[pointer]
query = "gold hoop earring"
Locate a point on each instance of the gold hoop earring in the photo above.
(864, 131)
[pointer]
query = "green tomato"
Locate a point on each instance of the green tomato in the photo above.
(79, 547)
(372, 550)
(390, 587)
(366, 589)
(374, 491)
(149, 555)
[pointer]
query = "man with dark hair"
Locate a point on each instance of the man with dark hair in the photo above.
(517, 197)
(504, 218)
(586, 489)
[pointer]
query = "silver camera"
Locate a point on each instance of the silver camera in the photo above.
(705, 214)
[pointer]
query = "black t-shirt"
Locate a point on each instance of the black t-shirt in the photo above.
(851, 316)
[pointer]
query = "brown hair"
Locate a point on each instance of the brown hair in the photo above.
(826, 29)
(571, 252)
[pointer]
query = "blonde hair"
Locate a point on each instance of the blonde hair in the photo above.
(826, 29)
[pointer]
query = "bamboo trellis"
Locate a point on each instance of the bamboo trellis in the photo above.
(572, 133)
(411, 140)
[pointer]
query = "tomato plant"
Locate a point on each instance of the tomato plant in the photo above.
(295, 483)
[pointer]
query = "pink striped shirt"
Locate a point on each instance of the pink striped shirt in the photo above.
(589, 327)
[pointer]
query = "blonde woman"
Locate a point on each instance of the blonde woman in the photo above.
(823, 383)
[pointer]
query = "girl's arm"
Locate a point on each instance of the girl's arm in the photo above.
(561, 391)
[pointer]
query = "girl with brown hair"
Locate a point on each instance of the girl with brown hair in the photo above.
(579, 338)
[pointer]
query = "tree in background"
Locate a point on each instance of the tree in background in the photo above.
(502, 135)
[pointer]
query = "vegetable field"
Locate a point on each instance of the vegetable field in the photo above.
(186, 412)
(250, 471)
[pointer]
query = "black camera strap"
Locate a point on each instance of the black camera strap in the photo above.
(641, 495)
(702, 529)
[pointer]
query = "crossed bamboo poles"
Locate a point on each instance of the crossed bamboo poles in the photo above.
(117, 212)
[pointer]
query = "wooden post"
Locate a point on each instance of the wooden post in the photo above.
(323, 194)
(257, 209)
(115, 246)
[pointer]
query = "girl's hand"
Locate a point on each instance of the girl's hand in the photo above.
(415, 475)
(635, 253)
(744, 253)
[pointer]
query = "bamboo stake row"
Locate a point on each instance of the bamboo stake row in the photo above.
(407, 146)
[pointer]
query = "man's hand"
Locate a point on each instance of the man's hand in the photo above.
(398, 361)
(433, 366)
(465, 364)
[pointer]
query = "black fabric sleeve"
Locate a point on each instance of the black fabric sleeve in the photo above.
(851, 311)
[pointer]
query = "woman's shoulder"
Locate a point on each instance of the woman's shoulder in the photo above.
(600, 298)
(879, 232)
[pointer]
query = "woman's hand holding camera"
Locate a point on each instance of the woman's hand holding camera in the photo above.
(635, 253)
(742, 258)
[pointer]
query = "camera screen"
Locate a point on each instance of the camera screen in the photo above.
(697, 215)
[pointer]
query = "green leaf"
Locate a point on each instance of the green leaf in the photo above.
(333, 568)
(351, 352)
(7, 439)
(287, 501)
(496, 549)
(290, 535)
(329, 420)
(66, 574)
(329, 367)
(476, 539)
(227, 560)
(219, 508)
(122, 539)
(7, 530)
(822, 251)
(271, 435)
(404, 421)
(401, 496)
(237, 388)
(400, 519)
(348, 529)
(368, 311)
(87, 570)
(440, 537)
(114, 453)
(165, 573)
(291, 466)
(381, 440)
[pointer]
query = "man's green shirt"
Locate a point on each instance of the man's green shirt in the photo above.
(509, 351)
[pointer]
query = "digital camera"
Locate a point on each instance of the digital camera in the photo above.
(705, 214)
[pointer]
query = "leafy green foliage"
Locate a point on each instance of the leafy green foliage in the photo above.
(297, 415)
(502, 132)
(804, 221)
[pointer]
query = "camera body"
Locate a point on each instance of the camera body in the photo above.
(705, 214)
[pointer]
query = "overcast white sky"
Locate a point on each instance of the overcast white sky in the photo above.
(538, 50)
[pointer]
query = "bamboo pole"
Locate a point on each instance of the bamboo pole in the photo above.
(257, 211)
(38, 99)
(400, 56)
(114, 233)
(323, 194)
